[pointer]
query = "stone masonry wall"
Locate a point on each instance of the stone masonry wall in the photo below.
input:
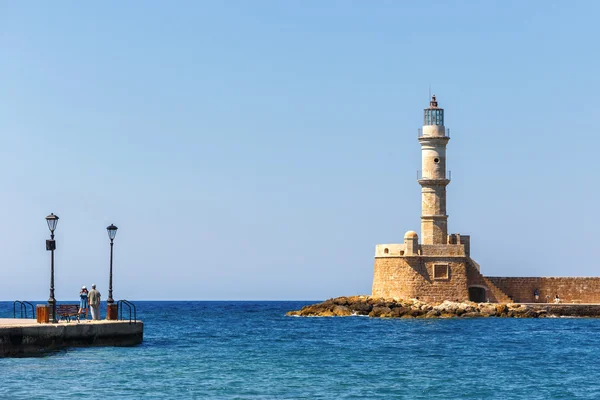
(493, 293)
(442, 250)
(578, 290)
(412, 277)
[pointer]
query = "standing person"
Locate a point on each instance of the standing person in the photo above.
(94, 301)
(83, 301)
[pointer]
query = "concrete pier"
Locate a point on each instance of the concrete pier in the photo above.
(26, 337)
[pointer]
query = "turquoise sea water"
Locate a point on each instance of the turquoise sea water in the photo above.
(251, 350)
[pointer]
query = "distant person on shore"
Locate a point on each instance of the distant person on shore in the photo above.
(556, 299)
(83, 301)
(94, 301)
(536, 294)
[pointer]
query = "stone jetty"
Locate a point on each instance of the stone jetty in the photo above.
(413, 308)
(26, 337)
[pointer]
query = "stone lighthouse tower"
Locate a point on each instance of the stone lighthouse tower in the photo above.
(439, 267)
(433, 140)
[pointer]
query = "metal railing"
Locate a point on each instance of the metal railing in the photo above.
(23, 309)
(129, 305)
(420, 133)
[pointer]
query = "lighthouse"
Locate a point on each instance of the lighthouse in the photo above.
(436, 266)
(433, 140)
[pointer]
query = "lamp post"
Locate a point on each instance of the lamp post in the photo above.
(112, 232)
(52, 220)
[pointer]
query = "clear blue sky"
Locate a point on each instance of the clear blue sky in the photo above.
(260, 150)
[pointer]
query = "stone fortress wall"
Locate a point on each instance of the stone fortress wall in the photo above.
(435, 278)
(429, 272)
(430, 279)
(568, 289)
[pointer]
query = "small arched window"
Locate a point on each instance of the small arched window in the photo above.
(386, 251)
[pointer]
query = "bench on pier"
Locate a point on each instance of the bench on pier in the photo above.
(68, 311)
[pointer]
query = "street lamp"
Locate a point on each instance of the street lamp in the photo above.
(112, 232)
(52, 220)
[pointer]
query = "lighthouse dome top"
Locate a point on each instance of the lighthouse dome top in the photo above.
(433, 102)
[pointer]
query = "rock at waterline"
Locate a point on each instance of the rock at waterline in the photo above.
(413, 308)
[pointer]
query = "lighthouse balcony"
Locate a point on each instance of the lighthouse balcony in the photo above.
(429, 180)
(433, 182)
(434, 131)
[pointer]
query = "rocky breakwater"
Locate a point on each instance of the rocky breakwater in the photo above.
(413, 308)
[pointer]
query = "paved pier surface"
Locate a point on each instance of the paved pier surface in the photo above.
(25, 337)
(6, 322)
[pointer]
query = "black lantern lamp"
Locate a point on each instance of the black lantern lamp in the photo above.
(112, 232)
(52, 221)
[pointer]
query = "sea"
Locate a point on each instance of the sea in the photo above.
(252, 350)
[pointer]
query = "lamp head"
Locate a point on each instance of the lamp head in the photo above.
(52, 220)
(112, 231)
